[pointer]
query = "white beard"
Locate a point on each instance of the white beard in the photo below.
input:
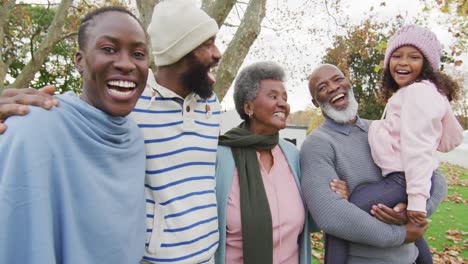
(342, 116)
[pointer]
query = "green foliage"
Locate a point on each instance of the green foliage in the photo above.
(59, 68)
(300, 118)
(27, 27)
(316, 120)
(454, 15)
(311, 117)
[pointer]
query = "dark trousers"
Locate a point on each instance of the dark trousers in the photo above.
(390, 191)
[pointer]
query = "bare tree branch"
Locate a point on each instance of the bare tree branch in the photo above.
(230, 25)
(206, 4)
(329, 14)
(239, 47)
(271, 23)
(238, 13)
(54, 33)
(145, 8)
(219, 9)
(38, 30)
(69, 35)
(5, 9)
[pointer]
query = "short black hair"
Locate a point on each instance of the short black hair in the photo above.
(86, 21)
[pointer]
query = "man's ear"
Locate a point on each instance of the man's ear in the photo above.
(186, 62)
(79, 61)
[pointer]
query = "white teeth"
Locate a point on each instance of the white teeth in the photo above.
(120, 93)
(280, 114)
(337, 97)
(402, 72)
(123, 84)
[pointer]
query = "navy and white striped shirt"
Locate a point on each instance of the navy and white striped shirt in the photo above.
(181, 137)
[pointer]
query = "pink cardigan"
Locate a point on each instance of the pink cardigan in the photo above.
(287, 212)
(419, 120)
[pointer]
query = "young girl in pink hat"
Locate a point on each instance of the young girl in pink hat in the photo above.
(418, 121)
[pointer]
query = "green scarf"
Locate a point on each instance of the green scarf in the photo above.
(257, 234)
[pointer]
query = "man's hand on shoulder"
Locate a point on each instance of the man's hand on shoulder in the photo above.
(15, 101)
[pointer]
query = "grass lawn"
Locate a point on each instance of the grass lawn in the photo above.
(448, 231)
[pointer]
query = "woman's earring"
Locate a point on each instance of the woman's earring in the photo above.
(250, 114)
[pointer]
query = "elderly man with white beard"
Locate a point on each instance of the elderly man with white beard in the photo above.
(339, 149)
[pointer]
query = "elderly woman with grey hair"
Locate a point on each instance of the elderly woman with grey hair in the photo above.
(262, 218)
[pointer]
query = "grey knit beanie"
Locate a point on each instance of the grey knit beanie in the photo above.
(178, 27)
(419, 37)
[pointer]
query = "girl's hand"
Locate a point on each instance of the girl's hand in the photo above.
(416, 217)
(339, 187)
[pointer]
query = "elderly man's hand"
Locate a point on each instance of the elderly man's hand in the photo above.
(414, 232)
(15, 102)
(395, 216)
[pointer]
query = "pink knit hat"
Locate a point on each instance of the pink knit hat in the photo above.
(419, 37)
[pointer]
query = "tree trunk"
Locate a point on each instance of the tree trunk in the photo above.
(54, 35)
(146, 7)
(5, 9)
(239, 47)
(219, 9)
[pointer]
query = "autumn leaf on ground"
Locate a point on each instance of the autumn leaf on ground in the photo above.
(318, 255)
(317, 241)
(453, 174)
(450, 254)
(456, 198)
(456, 232)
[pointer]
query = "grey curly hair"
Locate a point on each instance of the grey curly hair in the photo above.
(248, 81)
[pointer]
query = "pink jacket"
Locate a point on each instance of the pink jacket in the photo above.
(419, 120)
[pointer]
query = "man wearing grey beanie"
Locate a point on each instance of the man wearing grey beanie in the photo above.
(179, 116)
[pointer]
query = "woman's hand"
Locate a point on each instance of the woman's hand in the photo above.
(339, 187)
